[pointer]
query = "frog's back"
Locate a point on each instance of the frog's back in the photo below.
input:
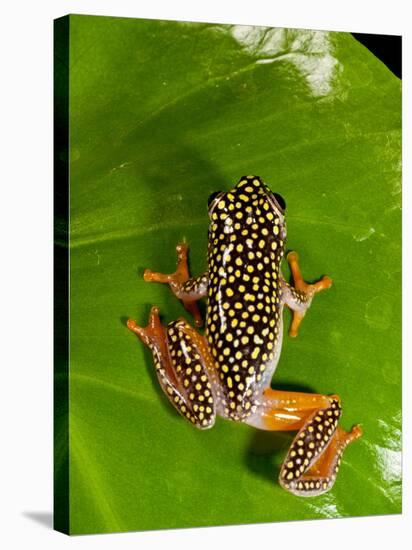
(244, 312)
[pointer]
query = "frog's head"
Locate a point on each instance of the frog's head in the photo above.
(249, 202)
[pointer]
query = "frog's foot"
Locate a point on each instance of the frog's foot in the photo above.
(312, 463)
(186, 289)
(153, 332)
(299, 296)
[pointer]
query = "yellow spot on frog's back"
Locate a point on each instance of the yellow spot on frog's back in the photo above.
(255, 353)
(221, 204)
(244, 197)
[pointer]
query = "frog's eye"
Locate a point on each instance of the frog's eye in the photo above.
(212, 197)
(281, 201)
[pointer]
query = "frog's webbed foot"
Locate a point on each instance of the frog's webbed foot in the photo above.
(299, 296)
(182, 366)
(186, 289)
(312, 463)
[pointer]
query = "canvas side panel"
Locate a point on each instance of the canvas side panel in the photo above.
(61, 275)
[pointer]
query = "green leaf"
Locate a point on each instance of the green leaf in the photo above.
(161, 115)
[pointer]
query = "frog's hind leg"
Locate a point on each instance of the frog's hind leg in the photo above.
(321, 476)
(299, 296)
(311, 465)
(180, 360)
(187, 289)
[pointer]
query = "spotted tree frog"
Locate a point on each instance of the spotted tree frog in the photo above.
(228, 371)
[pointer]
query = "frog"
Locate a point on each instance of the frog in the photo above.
(227, 371)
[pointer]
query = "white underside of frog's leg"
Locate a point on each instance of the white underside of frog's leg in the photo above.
(192, 289)
(296, 300)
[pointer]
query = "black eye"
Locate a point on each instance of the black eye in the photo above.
(212, 197)
(280, 200)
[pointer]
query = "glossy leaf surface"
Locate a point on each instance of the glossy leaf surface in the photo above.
(162, 114)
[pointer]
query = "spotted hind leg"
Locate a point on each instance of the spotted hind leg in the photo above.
(180, 359)
(312, 463)
(313, 459)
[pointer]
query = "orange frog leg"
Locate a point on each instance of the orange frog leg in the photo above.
(186, 289)
(299, 296)
(311, 465)
(181, 362)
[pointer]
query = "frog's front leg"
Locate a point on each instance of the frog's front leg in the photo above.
(186, 289)
(182, 366)
(299, 296)
(311, 465)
